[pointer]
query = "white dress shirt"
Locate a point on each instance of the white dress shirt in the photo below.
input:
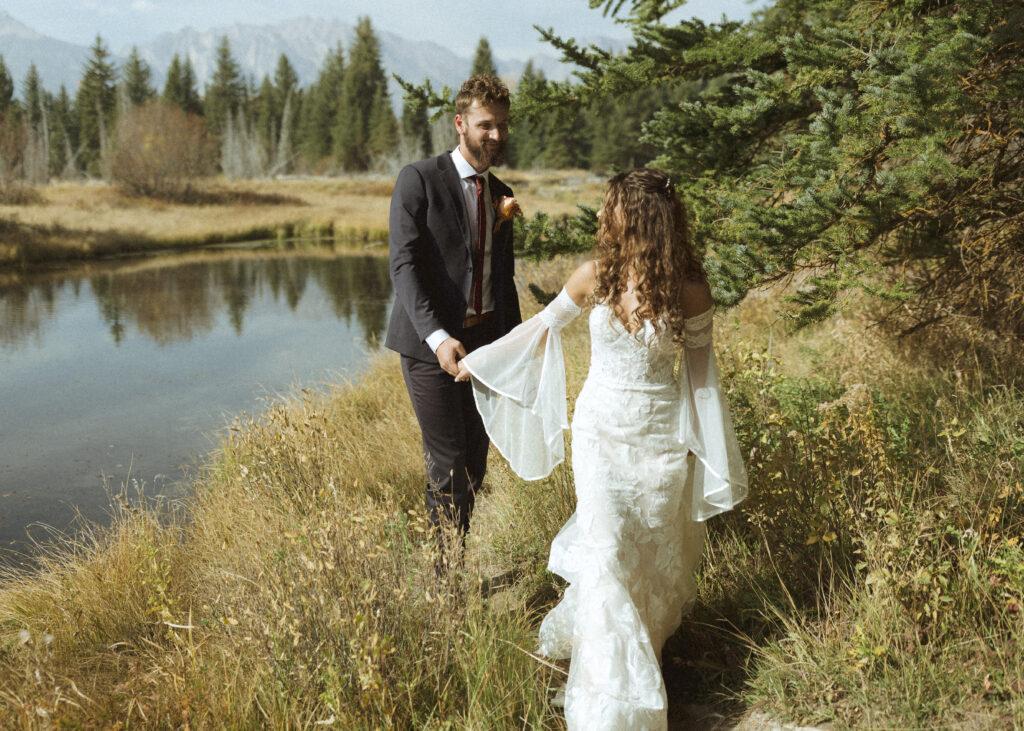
(466, 173)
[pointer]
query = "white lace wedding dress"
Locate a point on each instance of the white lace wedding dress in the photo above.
(630, 550)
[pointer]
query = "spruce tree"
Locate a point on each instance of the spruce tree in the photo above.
(33, 97)
(286, 82)
(173, 85)
(227, 91)
(265, 114)
(191, 102)
(95, 105)
(526, 141)
(63, 134)
(288, 99)
(319, 111)
(382, 141)
(364, 82)
(416, 127)
(874, 146)
(36, 154)
(6, 89)
(136, 79)
(483, 61)
(613, 126)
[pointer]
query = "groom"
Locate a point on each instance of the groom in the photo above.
(452, 269)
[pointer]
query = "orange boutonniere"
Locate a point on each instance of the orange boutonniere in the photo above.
(505, 209)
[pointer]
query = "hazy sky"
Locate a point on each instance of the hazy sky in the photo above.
(457, 24)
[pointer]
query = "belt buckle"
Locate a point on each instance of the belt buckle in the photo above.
(474, 320)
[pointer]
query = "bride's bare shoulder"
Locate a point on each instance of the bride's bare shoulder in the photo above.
(696, 298)
(582, 282)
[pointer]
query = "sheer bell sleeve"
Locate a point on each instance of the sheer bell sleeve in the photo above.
(519, 388)
(705, 426)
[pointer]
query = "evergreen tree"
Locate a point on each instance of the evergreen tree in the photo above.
(193, 103)
(364, 80)
(174, 91)
(288, 98)
(319, 111)
(526, 142)
(416, 127)
(95, 105)
(36, 152)
(382, 142)
(227, 92)
(136, 77)
(613, 124)
(874, 145)
(286, 82)
(265, 114)
(6, 89)
(483, 61)
(34, 97)
(565, 142)
(63, 134)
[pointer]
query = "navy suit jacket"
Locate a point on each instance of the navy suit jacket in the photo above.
(431, 258)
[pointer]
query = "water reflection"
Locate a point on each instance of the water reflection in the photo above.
(172, 300)
(124, 370)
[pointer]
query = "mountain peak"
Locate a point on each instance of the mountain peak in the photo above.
(9, 27)
(256, 47)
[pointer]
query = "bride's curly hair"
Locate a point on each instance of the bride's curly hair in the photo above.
(644, 236)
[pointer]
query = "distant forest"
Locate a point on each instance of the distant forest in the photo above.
(117, 126)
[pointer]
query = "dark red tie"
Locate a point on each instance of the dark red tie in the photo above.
(481, 240)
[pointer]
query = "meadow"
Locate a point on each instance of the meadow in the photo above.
(89, 220)
(873, 579)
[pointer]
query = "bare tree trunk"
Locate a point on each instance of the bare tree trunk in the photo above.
(242, 155)
(283, 154)
(37, 150)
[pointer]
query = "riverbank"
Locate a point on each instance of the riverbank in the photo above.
(82, 221)
(874, 579)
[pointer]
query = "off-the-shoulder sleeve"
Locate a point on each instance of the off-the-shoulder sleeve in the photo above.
(705, 426)
(519, 387)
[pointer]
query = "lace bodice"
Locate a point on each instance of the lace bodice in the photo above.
(643, 359)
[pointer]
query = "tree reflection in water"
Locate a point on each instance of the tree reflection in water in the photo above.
(177, 299)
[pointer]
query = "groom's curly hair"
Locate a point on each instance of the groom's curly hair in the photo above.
(644, 239)
(482, 88)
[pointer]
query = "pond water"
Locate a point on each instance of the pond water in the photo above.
(126, 373)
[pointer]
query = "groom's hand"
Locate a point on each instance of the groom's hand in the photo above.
(448, 354)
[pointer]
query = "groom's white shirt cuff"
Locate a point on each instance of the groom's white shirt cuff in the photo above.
(437, 337)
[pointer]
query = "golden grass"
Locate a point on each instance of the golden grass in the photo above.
(84, 220)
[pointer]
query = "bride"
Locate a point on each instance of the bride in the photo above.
(630, 550)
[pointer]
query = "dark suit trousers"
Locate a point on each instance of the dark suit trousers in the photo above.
(454, 440)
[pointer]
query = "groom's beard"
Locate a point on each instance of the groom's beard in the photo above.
(489, 154)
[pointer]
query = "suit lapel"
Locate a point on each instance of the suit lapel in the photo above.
(498, 190)
(450, 178)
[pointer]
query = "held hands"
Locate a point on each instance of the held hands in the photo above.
(448, 354)
(463, 374)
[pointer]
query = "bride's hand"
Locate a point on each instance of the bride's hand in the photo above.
(463, 374)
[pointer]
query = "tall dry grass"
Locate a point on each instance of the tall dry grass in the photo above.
(299, 590)
(875, 577)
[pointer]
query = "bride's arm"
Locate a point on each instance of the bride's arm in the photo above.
(519, 383)
(582, 282)
(705, 428)
(558, 314)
